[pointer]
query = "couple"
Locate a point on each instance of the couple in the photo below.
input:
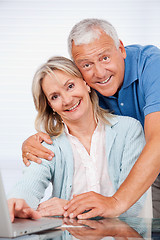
(94, 150)
(127, 82)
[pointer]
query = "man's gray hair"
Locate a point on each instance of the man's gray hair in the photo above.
(87, 30)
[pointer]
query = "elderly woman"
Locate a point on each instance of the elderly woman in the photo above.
(94, 150)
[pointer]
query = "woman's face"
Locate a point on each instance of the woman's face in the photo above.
(67, 95)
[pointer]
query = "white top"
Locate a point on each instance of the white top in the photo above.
(91, 171)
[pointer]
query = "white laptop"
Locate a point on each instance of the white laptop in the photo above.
(21, 226)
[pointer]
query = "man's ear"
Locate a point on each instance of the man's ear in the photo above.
(122, 49)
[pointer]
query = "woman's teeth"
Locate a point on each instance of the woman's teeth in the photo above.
(74, 106)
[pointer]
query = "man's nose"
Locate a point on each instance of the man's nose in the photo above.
(99, 70)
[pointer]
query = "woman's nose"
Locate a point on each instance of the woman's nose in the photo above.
(66, 98)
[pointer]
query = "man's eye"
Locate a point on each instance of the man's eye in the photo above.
(87, 65)
(71, 85)
(105, 58)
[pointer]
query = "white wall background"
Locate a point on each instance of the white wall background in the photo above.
(31, 31)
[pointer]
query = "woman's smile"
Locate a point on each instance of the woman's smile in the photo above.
(74, 107)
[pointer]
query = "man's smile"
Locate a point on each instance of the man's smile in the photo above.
(105, 81)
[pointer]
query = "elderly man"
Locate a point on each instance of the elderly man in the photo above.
(127, 81)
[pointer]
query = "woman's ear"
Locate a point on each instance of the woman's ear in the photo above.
(50, 105)
(88, 87)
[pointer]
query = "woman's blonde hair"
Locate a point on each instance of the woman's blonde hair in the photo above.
(46, 119)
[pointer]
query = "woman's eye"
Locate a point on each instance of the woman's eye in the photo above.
(54, 97)
(71, 85)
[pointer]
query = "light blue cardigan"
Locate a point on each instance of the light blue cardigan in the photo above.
(124, 143)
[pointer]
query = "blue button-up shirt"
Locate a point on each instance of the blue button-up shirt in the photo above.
(140, 92)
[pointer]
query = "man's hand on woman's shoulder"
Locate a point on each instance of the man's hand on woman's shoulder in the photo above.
(33, 150)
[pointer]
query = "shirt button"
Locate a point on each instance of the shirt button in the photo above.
(122, 104)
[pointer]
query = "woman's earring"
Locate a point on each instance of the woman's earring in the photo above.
(89, 88)
(54, 113)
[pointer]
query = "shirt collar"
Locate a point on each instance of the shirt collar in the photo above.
(66, 129)
(112, 119)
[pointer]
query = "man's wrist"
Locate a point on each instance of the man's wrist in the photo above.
(120, 205)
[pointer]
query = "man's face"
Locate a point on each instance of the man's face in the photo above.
(101, 64)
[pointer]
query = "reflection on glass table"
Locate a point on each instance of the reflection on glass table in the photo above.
(110, 228)
(104, 228)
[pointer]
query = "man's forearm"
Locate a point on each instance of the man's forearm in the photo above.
(141, 176)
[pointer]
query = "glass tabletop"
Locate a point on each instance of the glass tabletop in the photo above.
(96, 229)
(115, 228)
